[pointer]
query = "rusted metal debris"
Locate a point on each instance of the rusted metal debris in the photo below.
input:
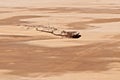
(53, 30)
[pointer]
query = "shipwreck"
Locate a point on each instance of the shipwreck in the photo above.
(53, 30)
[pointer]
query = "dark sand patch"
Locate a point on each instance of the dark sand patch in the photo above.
(26, 59)
(19, 7)
(17, 38)
(78, 25)
(116, 36)
(103, 20)
(77, 10)
(5, 11)
(15, 7)
(85, 24)
(15, 20)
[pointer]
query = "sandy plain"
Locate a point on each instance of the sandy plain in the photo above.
(31, 55)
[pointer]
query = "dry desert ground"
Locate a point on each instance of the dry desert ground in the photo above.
(27, 54)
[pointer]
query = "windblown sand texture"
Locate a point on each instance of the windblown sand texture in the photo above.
(26, 54)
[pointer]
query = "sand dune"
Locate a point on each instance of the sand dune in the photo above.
(27, 54)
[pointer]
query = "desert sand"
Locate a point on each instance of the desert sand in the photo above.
(26, 54)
